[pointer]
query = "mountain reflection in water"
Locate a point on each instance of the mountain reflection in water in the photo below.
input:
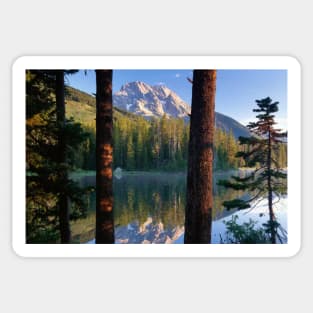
(150, 208)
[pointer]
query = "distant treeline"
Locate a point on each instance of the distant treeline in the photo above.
(140, 144)
(158, 144)
(56, 146)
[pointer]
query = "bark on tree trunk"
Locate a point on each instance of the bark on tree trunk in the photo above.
(104, 158)
(64, 214)
(269, 186)
(198, 217)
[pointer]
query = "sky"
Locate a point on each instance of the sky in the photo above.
(236, 90)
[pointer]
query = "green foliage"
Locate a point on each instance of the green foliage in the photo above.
(269, 225)
(39, 92)
(233, 185)
(238, 204)
(46, 178)
(140, 144)
(265, 151)
(245, 233)
(79, 96)
(156, 144)
(259, 151)
(225, 149)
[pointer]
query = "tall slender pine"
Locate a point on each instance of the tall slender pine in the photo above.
(198, 217)
(268, 178)
(64, 212)
(104, 158)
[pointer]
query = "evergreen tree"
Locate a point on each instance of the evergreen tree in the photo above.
(64, 209)
(267, 179)
(200, 159)
(47, 160)
(140, 144)
(104, 158)
(232, 150)
(130, 153)
(64, 213)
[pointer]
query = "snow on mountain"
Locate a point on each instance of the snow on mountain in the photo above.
(148, 101)
(155, 101)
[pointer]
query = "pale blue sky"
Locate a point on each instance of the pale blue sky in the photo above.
(236, 90)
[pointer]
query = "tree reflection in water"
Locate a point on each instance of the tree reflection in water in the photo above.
(149, 207)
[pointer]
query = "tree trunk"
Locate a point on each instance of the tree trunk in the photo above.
(64, 214)
(104, 158)
(198, 217)
(269, 186)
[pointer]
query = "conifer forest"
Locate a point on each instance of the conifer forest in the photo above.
(138, 163)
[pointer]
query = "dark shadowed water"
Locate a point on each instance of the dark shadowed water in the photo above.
(150, 208)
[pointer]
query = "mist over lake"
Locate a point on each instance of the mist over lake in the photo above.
(150, 208)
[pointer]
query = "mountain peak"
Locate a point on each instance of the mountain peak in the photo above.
(163, 90)
(150, 101)
(136, 87)
(82, 107)
(154, 101)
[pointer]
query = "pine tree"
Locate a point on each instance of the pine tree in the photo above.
(50, 193)
(267, 179)
(130, 153)
(64, 213)
(139, 150)
(199, 204)
(104, 158)
(64, 207)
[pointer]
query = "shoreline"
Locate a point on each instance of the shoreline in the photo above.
(83, 173)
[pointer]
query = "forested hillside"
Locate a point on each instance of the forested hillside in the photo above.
(68, 130)
(141, 144)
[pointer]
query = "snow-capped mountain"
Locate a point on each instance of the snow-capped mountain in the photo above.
(150, 101)
(155, 101)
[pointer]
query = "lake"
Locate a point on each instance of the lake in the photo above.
(150, 208)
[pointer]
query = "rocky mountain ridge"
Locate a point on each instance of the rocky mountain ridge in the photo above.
(154, 101)
(150, 101)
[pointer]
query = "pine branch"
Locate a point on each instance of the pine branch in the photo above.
(235, 186)
(236, 204)
(242, 179)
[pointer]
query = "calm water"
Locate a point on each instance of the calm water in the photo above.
(149, 208)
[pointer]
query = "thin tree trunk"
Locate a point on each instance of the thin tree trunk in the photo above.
(104, 158)
(64, 214)
(198, 217)
(269, 186)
